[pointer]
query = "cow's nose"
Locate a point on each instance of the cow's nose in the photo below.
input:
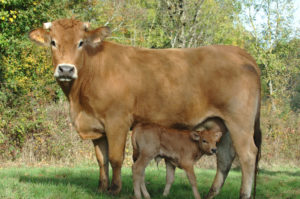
(214, 150)
(66, 70)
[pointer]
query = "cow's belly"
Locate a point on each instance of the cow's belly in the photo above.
(87, 126)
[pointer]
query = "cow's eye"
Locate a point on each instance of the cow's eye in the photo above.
(53, 43)
(204, 141)
(80, 44)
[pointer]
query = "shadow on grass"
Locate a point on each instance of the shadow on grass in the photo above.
(87, 180)
(272, 173)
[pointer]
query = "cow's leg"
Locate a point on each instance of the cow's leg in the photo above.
(101, 150)
(243, 142)
(170, 171)
(225, 156)
(138, 175)
(192, 178)
(116, 132)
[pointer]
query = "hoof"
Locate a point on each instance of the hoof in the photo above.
(243, 196)
(102, 187)
(114, 189)
(211, 194)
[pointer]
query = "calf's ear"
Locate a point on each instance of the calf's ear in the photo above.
(218, 135)
(195, 136)
(40, 36)
(95, 37)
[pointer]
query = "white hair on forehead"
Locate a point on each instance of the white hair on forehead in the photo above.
(47, 25)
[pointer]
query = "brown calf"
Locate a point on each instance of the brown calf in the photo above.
(111, 86)
(181, 148)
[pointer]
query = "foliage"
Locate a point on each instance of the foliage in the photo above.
(25, 75)
(270, 26)
(295, 100)
(28, 89)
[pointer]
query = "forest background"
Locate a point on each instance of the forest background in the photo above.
(34, 122)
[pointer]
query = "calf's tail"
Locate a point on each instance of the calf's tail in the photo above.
(135, 148)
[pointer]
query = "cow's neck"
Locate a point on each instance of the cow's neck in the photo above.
(66, 87)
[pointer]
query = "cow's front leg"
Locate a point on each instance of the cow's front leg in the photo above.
(116, 132)
(101, 150)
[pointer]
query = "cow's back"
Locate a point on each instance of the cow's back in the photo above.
(188, 85)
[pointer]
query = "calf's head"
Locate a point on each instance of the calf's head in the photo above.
(69, 39)
(207, 140)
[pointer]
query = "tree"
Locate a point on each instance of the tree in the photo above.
(270, 26)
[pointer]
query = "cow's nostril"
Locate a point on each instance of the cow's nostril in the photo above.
(60, 69)
(72, 69)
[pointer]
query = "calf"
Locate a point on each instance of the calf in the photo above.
(181, 148)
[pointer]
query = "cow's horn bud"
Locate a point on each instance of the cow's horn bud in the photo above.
(86, 25)
(47, 25)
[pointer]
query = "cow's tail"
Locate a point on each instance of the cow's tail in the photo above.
(135, 148)
(257, 140)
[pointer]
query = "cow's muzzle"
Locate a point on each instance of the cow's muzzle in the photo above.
(65, 72)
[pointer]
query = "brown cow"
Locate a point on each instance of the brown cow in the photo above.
(111, 86)
(152, 141)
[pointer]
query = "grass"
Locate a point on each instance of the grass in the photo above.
(81, 182)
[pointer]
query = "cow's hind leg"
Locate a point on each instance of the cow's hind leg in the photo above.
(225, 156)
(101, 150)
(243, 142)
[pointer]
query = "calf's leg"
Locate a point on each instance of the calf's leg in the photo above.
(225, 156)
(138, 173)
(170, 171)
(143, 187)
(101, 150)
(192, 178)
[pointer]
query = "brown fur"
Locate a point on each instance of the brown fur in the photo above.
(180, 148)
(119, 85)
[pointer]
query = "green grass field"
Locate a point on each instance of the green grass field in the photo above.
(81, 182)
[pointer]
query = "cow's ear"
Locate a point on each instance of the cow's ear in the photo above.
(95, 37)
(40, 36)
(195, 136)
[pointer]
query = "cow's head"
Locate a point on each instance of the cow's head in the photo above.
(207, 140)
(68, 39)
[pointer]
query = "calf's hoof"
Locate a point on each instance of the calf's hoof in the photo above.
(211, 194)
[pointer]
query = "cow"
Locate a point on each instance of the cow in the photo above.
(153, 141)
(111, 86)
